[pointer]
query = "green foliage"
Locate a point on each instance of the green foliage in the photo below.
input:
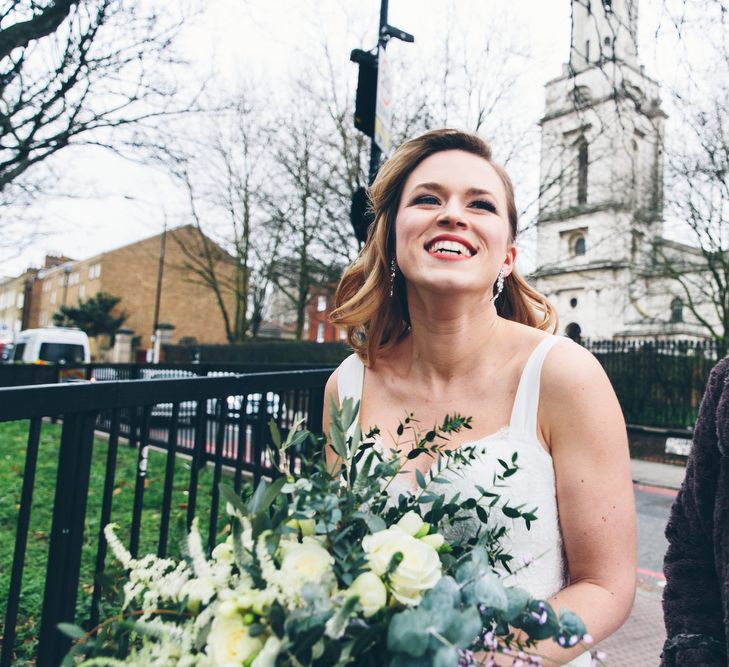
(94, 316)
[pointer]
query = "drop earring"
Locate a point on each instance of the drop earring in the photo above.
(499, 285)
(393, 271)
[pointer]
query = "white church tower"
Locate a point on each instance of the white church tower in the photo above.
(600, 205)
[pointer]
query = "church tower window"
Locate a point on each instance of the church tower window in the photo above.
(677, 310)
(578, 244)
(582, 163)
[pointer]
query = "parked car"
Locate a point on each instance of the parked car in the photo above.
(163, 411)
(52, 345)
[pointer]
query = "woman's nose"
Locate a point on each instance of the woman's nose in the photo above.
(451, 218)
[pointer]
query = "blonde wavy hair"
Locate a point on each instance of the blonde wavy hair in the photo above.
(373, 320)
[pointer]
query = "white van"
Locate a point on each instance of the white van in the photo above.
(53, 345)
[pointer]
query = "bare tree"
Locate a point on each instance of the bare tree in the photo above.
(698, 169)
(76, 73)
(300, 210)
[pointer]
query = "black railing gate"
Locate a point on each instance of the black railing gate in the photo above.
(229, 426)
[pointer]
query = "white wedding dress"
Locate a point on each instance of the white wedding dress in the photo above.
(540, 548)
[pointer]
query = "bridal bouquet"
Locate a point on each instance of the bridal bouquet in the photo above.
(325, 567)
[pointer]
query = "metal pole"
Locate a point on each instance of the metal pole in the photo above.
(375, 152)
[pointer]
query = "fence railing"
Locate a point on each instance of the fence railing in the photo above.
(13, 375)
(214, 421)
(659, 383)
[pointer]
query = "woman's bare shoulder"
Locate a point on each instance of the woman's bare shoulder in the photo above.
(570, 365)
(331, 387)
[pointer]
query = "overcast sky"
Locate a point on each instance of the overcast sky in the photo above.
(265, 39)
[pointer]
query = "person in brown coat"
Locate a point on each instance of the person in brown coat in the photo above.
(696, 565)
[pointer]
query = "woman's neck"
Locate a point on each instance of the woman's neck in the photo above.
(449, 339)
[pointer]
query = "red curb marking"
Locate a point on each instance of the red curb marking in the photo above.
(657, 490)
(651, 573)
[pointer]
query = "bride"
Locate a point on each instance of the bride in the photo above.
(441, 322)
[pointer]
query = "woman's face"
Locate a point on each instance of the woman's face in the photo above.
(452, 226)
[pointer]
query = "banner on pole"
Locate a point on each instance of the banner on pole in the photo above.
(383, 108)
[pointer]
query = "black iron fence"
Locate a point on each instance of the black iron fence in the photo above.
(213, 421)
(14, 375)
(658, 383)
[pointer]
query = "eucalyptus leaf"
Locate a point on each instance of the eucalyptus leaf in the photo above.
(71, 630)
(271, 493)
(511, 512)
(464, 628)
(408, 634)
(517, 599)
(275, 433)
(373, 522)
(230, 496)
(445, 656)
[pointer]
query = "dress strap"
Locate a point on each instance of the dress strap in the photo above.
(526, 403)
(350, 378)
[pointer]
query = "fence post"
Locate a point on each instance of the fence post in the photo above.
(67, 528)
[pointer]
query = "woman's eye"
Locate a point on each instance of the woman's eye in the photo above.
(426, 199)
(484, 204)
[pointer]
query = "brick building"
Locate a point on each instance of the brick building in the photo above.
(20, 298)
(131, 273)
(318, 326)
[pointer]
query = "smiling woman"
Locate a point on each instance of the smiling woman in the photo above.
(373, 320)
(441, 323)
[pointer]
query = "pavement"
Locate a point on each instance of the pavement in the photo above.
(640, 641)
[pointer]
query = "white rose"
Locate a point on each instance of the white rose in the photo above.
(370, 590)
(229, 642)
(411, 523)
(419, 570)
(436, 540)
(305, 562)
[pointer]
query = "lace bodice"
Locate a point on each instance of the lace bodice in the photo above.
(539, 560)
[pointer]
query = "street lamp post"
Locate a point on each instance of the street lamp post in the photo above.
(158, 295)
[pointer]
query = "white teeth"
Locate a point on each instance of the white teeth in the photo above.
(450, 247)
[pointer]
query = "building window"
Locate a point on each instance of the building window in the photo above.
(73, 278)
(43, 318)
(677, 310)
(81, 292)
(342, 334)
(579, 244)
(321, 303)
(582, 163)
(53, 297)
(20, 300)
(320, 332)
(94, 271)
(47, 286)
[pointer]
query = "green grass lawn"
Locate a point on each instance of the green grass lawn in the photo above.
(13, 441)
